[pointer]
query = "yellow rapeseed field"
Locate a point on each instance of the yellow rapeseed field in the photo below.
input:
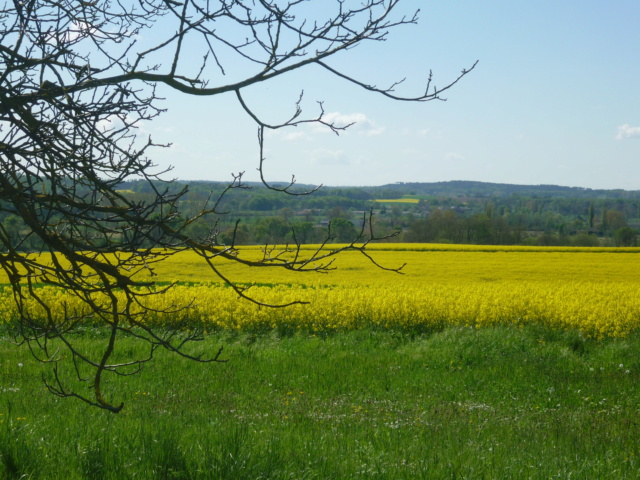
(399, 200)
(596, 291)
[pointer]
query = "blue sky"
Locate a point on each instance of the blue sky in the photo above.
(555, 99)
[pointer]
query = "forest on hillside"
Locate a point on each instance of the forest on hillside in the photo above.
(442, 212)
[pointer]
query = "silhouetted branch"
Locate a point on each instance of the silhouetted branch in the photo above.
(77, 80)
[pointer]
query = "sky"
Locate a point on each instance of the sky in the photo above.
(554, 99)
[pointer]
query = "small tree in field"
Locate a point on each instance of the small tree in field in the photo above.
(76, 80)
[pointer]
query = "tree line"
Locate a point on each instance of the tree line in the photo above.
(262, 216)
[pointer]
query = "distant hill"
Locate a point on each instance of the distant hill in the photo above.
(486, 189)
(450, 189)
(440, 212)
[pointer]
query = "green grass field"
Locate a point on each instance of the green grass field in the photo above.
(490, 403)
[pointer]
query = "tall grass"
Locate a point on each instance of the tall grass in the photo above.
(462, 403)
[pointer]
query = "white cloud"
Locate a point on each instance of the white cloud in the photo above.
(411, 151)
(292, 136)
(323, 156)
(428, 132)
(372, 132)
(80, 30)
(108, 123)
(342, 119)
(355, 123)
(288, 135)
(359, 123)
(627, 131)
(115, 122)
(454, 156)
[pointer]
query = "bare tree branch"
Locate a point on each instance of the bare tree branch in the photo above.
(77, 79)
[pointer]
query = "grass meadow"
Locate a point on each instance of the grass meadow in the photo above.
(461, 399)
(497, 402)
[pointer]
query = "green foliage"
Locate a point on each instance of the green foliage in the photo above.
(447, 212)
(343, 230)
(625, 237)
(584, 240)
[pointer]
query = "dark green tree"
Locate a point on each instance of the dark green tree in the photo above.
(342, 230)
(625, 237)
(271, 230)
(615, 219)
